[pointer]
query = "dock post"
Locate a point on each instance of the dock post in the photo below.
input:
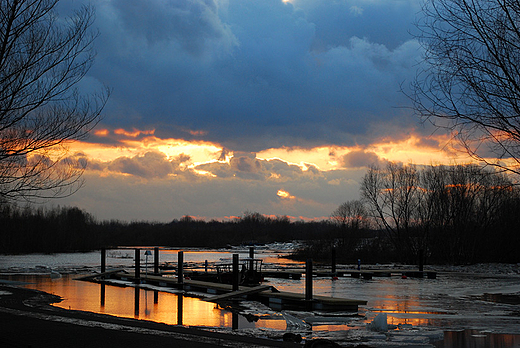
(333, 261)
(235, 272)
(251, 257)
(103, 260)
(308, 280)
(156, 260)
(206, 266)
(137, 265)
(180, 269)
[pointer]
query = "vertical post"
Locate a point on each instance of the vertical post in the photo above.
(180, 267)
(421, 258)
(251, 257)
(333, 261)
(235, 272)
(103, 260)
(206, 266)
(137, 265)
(156, 260)
(308, 280)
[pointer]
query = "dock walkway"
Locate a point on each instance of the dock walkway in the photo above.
(217, 292)
(296, 273)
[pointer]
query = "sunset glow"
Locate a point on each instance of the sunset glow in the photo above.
(281, 113)
(196, 153)
(284, 194)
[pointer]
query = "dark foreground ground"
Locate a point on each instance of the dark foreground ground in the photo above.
(27, 320)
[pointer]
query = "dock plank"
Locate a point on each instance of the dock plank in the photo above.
(92, 276)
(239, 293)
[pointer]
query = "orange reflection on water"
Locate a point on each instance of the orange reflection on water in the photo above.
(402, 309)
(138, 303)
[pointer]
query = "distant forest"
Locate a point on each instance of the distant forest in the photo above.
(448, 214)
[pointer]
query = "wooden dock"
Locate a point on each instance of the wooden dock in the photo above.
(296, 273)
(218, 292)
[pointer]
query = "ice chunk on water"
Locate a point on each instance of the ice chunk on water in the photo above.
(294, 322)
(379, 323)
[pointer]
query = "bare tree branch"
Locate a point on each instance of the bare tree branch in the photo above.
(471, 81)
(42, 59)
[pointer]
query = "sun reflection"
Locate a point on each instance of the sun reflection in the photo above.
(139, 303)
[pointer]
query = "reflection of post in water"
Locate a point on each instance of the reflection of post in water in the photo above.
(102, 295)
(155, 297)
(179, 309)
(136, 303)
(234, 321)
(146, 309)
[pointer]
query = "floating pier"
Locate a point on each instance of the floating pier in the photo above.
(218, 292)
(214, 291)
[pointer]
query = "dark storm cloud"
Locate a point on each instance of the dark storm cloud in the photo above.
(256, 74)
(191, 24)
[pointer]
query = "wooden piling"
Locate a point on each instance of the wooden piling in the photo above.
(235, 272)
(137, 265)
(103, 260)
(156, 260)
(251, 257)
(180, 267)
(308, 280)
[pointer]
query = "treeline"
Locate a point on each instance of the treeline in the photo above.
(445, 214)
(29, 230)
(449, 214)
(458, 214)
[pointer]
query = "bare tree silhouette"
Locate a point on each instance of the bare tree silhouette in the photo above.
(43, 57)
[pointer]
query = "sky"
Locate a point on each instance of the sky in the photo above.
(219, 107)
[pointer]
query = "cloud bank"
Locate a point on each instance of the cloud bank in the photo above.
(252, 74)
(222, 106)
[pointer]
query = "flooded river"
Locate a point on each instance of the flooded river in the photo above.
(458, 309)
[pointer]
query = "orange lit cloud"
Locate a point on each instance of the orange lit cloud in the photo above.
(135, 133)
(198, 132)
(131, 151)
(284, 194)
(411, 149)
(101, 132)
